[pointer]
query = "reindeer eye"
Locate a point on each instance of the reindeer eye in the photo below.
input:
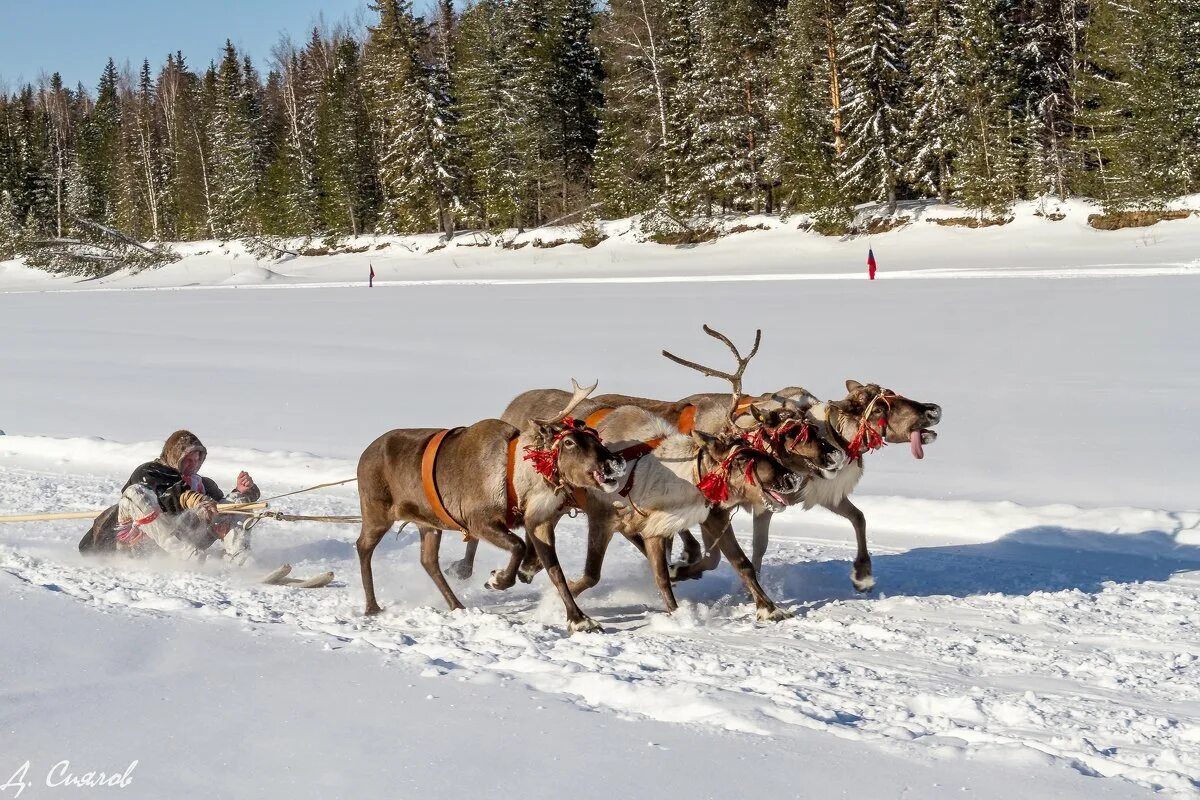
(568, 443)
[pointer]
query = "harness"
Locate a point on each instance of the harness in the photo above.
(715, 485)
(512, 511)
(545, 462)
(773, 438)
(866, 438)
(687, 415)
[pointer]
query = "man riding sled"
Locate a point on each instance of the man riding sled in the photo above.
(167, 506)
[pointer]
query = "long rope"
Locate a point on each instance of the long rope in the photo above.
(310, 489)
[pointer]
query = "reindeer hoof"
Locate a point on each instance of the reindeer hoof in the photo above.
(860, 575)
(526, 575)
(372, 610)
(774, 614)
(584, 625)
(680, 571)
(496, 583)
(462, 569)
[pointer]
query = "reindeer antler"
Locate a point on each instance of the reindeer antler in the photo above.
(734, 378)
(579, 394)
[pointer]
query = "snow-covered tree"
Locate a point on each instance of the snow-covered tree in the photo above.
(875, 72)
(409, 115)
(233, 156)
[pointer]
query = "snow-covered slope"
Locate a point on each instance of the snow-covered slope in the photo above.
(1034, 632)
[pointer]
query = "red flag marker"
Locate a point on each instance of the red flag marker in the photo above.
(871, 263)
(371, 278)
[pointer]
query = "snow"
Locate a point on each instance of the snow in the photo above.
(1034, 628)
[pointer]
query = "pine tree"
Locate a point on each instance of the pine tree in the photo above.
(573, 97)
(802, 151)
(408, 117)
(875, 71)
(938, 84)
(490, 117)
(232, 157)
(11, 231)
(1132, 143)
(100, 150)
(986, 163)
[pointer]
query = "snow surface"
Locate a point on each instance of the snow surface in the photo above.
(1034, 632)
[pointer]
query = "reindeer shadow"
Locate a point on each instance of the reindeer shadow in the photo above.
(1025, 561)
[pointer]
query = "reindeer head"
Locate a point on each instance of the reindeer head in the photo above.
(801, 444)
(567, 453)
(884, 416)
(732, 472)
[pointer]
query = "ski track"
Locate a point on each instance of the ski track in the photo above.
(1032, 635)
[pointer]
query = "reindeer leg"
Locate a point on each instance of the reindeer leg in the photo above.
(767, 610)
(656, 554)
(542, 537)
(691, 548)
(532, 564)
(762, 532)
(600, 533)
(860, 576)
(465, 567)
(374, 527)
(431, 542)
(505, 540)
(706, 560)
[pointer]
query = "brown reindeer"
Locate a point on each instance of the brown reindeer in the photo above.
(472, 479)
(867, 418)
(670, 497)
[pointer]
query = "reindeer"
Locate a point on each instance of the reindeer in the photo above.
(470, 479)
(867, 418)
(624, 426)
(675, 481)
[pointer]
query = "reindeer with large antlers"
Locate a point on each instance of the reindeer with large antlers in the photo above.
(484, 480)
(674, 476)
(866, 419)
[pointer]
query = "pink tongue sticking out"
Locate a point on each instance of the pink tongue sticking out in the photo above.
(918, 450)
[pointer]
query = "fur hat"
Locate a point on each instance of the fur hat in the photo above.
(178, 445)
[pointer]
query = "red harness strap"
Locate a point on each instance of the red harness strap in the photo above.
(428, 462)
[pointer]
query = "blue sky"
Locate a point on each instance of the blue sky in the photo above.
(76, 37)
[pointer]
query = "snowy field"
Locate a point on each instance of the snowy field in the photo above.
(1035, 631)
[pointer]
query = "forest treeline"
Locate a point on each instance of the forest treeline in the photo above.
(514, 113)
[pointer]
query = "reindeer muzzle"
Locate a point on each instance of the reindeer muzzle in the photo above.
(610, 472)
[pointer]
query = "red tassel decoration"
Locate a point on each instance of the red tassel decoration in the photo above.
(545, 462)
(714, 487)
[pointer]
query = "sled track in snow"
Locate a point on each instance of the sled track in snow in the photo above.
(1031, 635)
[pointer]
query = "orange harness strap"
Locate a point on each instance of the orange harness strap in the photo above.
(428, 461)
(597, 416)
(634, 452)
(512, 514)
(687, 419)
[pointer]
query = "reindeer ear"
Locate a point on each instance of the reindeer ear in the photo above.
(759, 415)
(852, 384)
(544, 430)
(701, 438)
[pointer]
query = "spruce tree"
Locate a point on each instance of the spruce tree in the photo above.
(232, 157)
(872, 110)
